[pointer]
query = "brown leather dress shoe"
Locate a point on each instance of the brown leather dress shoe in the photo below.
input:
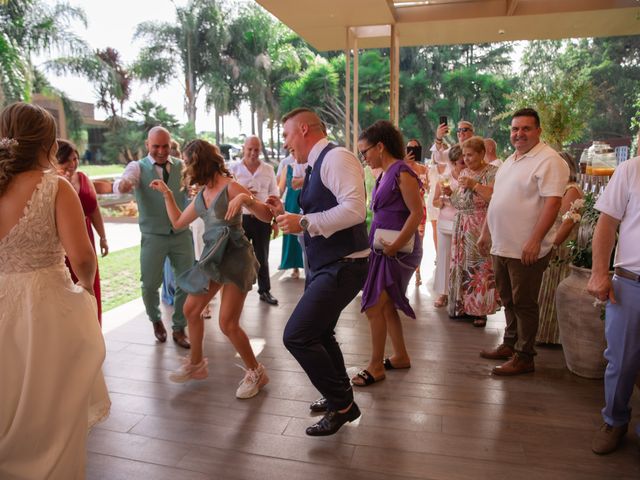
(501, 352)
(159, 331)
(516, 365)
(181, 339)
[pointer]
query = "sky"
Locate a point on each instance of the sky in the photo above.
(112, 24)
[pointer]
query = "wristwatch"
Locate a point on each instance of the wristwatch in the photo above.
(304, 223)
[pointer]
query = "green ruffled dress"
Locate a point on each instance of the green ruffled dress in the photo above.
(227, 256)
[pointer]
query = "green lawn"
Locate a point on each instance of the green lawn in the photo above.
(98, 170)
(120, 277)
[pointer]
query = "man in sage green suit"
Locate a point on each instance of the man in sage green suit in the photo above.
(159, 238)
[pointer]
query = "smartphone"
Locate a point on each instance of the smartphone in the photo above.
(417, 153)
(443, 119)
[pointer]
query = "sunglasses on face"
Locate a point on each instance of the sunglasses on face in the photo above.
(464, 130)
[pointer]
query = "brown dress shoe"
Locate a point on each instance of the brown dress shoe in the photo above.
(181, 338)
(516, 365)
(159, 331)
(501, 352)
(608, 438)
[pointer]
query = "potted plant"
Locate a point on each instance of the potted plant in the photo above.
(580, 319)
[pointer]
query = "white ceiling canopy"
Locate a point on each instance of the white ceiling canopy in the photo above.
(437, 22)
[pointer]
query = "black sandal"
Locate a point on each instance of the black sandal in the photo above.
(389, 366)
(480, 322)
(366, 377)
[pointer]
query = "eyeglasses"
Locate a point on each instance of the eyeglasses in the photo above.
(464, 130)
(362, 153)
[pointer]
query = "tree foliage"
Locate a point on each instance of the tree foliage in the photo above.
(107, 73)
(29, 27)
(190, 48)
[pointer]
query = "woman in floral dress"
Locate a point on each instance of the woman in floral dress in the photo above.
(472, 287)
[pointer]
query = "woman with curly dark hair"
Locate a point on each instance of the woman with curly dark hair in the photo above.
(227, 259)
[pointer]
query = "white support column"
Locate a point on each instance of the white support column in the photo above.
(394, 78)
(355, 95)
(347, 91)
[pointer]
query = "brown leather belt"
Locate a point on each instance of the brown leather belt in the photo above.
(624, 273)
(354, 260)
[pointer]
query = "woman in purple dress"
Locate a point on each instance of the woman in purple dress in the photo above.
(397, 206)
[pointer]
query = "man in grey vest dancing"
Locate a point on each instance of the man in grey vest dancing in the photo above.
(159, 238)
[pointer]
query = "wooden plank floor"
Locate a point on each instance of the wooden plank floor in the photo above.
(445, 418)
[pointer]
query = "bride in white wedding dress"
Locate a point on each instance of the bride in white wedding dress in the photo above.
(51, 348)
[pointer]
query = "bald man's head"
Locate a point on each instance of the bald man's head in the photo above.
(158, 144)
(251, 149)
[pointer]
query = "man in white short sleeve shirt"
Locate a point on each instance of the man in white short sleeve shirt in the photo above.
(619, 205)
(526, 198)
(260, 179)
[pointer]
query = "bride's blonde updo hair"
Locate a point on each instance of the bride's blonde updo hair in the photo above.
(25, 130)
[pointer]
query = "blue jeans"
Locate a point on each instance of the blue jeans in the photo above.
(168, 283)
(309, 334)
(622, 330)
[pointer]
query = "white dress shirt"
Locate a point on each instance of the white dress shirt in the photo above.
(343, 175)
(262, 182)
(132, 173)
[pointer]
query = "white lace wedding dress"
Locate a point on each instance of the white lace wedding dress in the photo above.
(51, 351)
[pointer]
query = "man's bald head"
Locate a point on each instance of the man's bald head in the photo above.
(158, 144)
(251, 149)
(156, 130)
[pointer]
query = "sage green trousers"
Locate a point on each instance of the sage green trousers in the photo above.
(153, 250)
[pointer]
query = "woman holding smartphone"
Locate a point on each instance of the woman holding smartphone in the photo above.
(414, 160)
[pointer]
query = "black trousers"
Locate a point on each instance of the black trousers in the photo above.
(309, 334)
(259, 234)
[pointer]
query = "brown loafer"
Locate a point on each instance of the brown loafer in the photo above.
(181, 339)
(516, 365)
(501, 352)
(159, 331)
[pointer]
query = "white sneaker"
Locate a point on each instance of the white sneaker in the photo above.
(190, 372)
(252, 382)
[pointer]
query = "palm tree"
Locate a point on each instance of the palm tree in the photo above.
(105, 70)
(29, 27)
(189, 48)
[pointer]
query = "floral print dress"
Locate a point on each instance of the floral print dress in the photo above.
(472, 285)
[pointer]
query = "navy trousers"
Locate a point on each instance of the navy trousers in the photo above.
(309, 334)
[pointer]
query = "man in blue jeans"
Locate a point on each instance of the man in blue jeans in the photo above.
(337, 249)
(619, 206)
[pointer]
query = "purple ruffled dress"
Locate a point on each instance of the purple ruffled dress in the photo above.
(387, 273)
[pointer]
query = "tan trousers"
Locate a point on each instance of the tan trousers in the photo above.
(518, 286)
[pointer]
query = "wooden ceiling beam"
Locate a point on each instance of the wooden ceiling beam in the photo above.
(511, 7)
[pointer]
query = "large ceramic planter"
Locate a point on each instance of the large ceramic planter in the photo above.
(581, 328)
